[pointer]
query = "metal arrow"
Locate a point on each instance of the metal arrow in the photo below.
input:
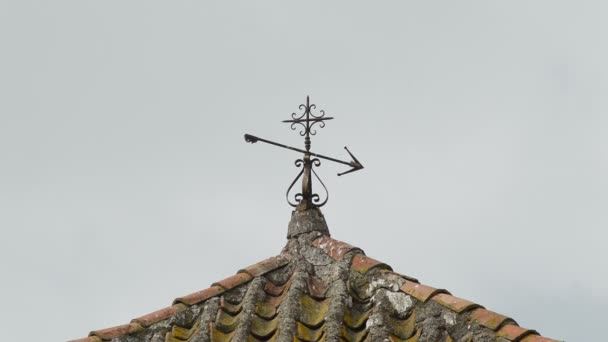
(355, 164)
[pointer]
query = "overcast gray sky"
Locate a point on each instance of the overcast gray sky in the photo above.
(125, 181)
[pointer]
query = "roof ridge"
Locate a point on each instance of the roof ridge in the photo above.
(502, 325)
(182, 303)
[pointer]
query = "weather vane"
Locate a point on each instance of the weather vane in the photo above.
(307, 119)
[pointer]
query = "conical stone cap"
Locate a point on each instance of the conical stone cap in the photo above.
(307, 221)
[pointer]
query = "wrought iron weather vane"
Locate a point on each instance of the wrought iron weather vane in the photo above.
(307, 119)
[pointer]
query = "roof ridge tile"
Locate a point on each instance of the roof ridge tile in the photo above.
(514, 332)
(363, 264)
(159, 315)
(119, 330)
(406, 277)
(537, 338)
(233, 281)
(265, 266)
(421, 292)
(334, 248)
(453, 303)
(199, 296)
(490, 319)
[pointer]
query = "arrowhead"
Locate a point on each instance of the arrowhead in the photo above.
(356, 165)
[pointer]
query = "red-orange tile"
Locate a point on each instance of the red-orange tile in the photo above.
(110, 333)
(421, 292)
(265, 266)
(537, 338)
(363, 264)
(158, 315)
(272, 301)
(490, 319)
(454, 303)
(334, 248)
(513, 332)
(273, 289)
(316, 287)
(406, 277)
(199, 296)
(234, 281)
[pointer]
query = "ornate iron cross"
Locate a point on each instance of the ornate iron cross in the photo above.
(307, 119)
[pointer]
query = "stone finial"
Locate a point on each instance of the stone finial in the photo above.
(307, 221)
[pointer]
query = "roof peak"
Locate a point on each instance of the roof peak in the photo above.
(307, 221)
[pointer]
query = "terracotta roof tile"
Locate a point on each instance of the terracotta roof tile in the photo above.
(233, 281)
(233, 309)
(513, 332)
(404, 329)
(334, 248)
(305, 333)
(179, 334)
(159, 315)
(454, 303)
(217, 335)
(262, 328)
(199, 296)
(225, 321)
(265, 266)
(363, 264)
(354, 335)
(88, 339)
(421, 292)
(490, 319)
(110, 333)
(268, 307)
(537, 338)
(406, 277)
(274, 290)
(313, 311)
(355, 320)
(316, 287)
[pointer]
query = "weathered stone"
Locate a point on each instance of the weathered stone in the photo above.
(307, 221)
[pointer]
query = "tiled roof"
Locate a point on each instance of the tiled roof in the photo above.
(319, 289)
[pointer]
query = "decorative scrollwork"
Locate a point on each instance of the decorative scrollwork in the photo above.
(307, 119)
(314, 131)
(321, 112)
(298, 197)
(301, 116)
(315, 197)
(304, 128)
